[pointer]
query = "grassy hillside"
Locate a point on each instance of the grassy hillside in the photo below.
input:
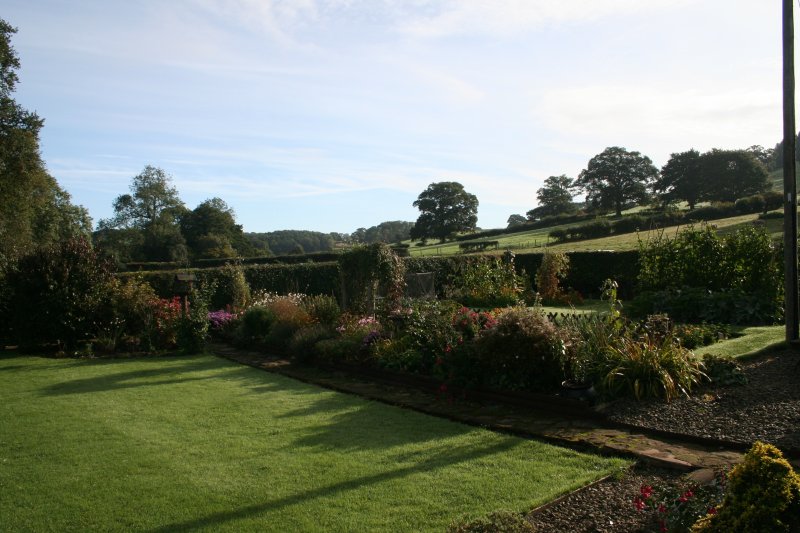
(537, 240)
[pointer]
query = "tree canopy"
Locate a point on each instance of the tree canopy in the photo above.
(615, 177)
(732, 174)
(680, 179)
(555, 197)
(34, 209)
(445, 209)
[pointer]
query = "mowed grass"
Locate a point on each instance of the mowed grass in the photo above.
(200, 443)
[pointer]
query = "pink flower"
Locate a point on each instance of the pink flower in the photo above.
(646, 491)
(639, 503)
(662, 509)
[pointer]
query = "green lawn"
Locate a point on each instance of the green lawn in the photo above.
(200, 443)
(753, 340)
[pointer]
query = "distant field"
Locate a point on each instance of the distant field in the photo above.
(538, 240)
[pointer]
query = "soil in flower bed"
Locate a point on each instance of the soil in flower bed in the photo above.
(608, 506)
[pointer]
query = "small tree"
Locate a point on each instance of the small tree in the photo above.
(555, 197)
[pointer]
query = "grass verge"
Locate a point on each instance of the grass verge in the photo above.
(200, 443)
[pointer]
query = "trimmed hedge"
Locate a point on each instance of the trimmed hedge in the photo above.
(586, 274)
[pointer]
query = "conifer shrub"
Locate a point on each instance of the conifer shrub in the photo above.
(763, 496)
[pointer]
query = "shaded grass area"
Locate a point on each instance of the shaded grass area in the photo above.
(200, 443)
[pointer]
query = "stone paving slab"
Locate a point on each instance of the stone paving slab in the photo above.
(670, 453)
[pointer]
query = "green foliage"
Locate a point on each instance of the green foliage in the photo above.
(741, 272)
(285, 242)
(615, 176)
(648, 367)
(522, 352)
(193, 324)
(555, 197)
(445, 209)
(131, 317)
(231, 288)
(723, 370)
(255, 324)
(554, 268)
(34, 209)
(495, 522)
(302, 345)
(487, 282)
(56, 295)
(429, 326)
(322, 309)
(369, 271)
(763, 496)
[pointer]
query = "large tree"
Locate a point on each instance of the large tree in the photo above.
(34, 209)
(555, 197)
(615, 177)
(681, 179)
(732, 174)
(445, 209)
(153, 208)
(210, 230)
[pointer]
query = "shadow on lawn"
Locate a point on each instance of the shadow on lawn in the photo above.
(165, 374)
(448, 457)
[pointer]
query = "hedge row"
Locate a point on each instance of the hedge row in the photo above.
(318, 257)
(586, 274)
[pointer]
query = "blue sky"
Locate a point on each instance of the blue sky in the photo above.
(331, 115)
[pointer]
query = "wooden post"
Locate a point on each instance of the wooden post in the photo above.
(789, 179)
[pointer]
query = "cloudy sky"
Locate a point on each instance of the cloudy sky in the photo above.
(331, 115)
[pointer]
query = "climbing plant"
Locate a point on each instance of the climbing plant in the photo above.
(370, 270)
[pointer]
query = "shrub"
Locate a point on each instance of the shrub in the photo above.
(322, 309)
(711, 212)
(522, 352)
(553, 269)
(398, 354)
(302, 345)
(56, 295)
(255, 324)
(696, 335)
(750, 204)
(723, 370)
(131, 316)
(340, 350)
(289, 317)
(495, 522)
(630, 223)
(487, 282)
(700, 274)
(593, 230)
(558, 234)
(193, 325)
(429, 327)
(677, 513)
(223, 323)
(772, 200)
(763, 496)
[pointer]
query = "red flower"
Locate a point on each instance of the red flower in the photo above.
(712, 510)
(639, 503)
(447, 349)
(662, 509)
(646, 491)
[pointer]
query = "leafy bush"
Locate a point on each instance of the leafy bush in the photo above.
(630, 223)
(289, 318)
(522, 352)
(677, 514)
(711, 212)
(763, 495)
(696, 335)
(429, 326)
(558, 234)
(339, 350)
(750, 204)
(57, 295)
(772, 200)
(322, 309)
(302, 345)
(231, 288)
(723, 370)
(131, 314)
(223, 323)
(255, 324)
(771, 215)
(487, 282)
(495, 522)
(193, 325)
(398, 354)
(699, 275)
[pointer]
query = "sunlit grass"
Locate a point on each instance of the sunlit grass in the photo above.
(753, 341)
(199, 443)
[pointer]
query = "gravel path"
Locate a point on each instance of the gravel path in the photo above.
(767, 409)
